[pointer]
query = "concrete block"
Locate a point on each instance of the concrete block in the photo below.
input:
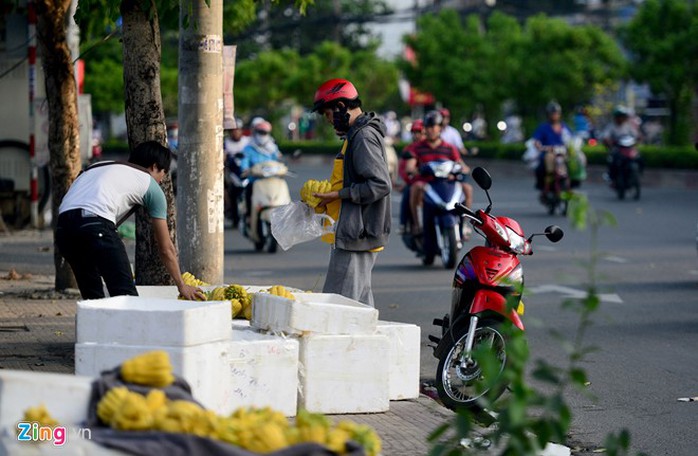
(344, 373)
(315, 313)
(263, 370)
(136, 320)
(203, 366)
(403, 373)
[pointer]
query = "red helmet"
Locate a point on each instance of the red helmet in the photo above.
(334, 89)
(417, 126)
(445, 112)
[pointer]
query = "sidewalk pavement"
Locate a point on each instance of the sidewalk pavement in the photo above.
(37, 333)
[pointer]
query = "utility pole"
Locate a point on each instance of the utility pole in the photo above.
(200, 151)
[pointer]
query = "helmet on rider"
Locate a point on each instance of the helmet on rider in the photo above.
(553, 107)
(262, 127)
(417, 126)
(433, 118)
(445, 112)
(620, 111)
(332, 91)
(238, 124)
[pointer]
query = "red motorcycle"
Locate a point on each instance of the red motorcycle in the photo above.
(485, 279)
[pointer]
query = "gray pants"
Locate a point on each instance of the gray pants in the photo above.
(349, 274)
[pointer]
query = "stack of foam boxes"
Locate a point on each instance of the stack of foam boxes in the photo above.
(322, 352)
(349, 362)
(196, 335)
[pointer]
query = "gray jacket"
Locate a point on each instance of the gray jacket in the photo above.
(364, 217)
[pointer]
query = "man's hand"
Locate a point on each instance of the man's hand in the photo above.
(326, 198)
(191, 293)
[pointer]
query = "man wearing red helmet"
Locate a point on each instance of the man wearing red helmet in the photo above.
(408, 153)
(359, 199)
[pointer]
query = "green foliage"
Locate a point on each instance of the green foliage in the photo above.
(104, 77)
(529, 417)
(662, 38)
(468, 65)
(265, 83)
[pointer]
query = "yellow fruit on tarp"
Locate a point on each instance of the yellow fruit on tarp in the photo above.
(133, 414)
(364, 435)
(110, 403)
(151, 369)
(156, 399)
(182, 417)
(40, 415)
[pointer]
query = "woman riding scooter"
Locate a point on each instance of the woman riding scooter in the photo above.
(262, 167)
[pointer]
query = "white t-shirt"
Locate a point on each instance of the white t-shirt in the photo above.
(451, 136)
(111, 191)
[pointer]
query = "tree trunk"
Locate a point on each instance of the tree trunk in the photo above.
(145, 120)
(61, 95)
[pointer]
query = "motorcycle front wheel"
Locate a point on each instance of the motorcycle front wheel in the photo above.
(461, 382)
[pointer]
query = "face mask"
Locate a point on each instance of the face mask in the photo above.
(262, 140)
(340, 119)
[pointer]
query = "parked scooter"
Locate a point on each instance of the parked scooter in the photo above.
(269, 190)
(627, 167)
(441, 226)
(484, 280)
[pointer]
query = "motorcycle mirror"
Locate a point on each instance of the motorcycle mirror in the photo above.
(482, 177)
(554, 233)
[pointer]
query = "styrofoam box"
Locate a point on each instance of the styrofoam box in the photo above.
(263, 370)
(66, 397)
(203, 366)
(318, 313)
(136, 320)
(403, 374)
(344, 373)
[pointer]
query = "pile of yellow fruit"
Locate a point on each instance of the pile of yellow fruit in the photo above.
(280, 290)
(152, 368)
(260, 430)
(190, 279)
(313, 186)
(39, 415)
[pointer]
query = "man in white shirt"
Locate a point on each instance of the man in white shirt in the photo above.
(450, 134)
(103, 196)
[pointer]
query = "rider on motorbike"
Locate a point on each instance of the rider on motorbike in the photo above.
(431, 148)
(621, 127)
(261, 148)
(417, 131)
(233, 145)
(550, 134)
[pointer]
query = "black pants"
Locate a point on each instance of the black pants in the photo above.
(92, 247)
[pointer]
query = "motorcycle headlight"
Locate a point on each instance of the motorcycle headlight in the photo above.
(517, 243)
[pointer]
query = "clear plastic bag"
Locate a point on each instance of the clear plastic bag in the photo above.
(297, 222)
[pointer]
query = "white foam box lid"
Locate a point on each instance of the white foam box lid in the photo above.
(344, 373)
(202, 366)
(263, 370)
(138, 320)
(405, 345)
(317, 313)
(66, 397)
